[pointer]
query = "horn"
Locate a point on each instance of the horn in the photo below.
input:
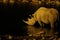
(25, 21)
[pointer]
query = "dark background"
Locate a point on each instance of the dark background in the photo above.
(12, 15)
(11, 18)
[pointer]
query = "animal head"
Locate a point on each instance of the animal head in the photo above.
(30, 21)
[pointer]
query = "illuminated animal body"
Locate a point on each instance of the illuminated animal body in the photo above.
(45, 15)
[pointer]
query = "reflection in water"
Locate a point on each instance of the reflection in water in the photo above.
(33, 31)
(41, 32)
(36, 31)
(34, 34)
